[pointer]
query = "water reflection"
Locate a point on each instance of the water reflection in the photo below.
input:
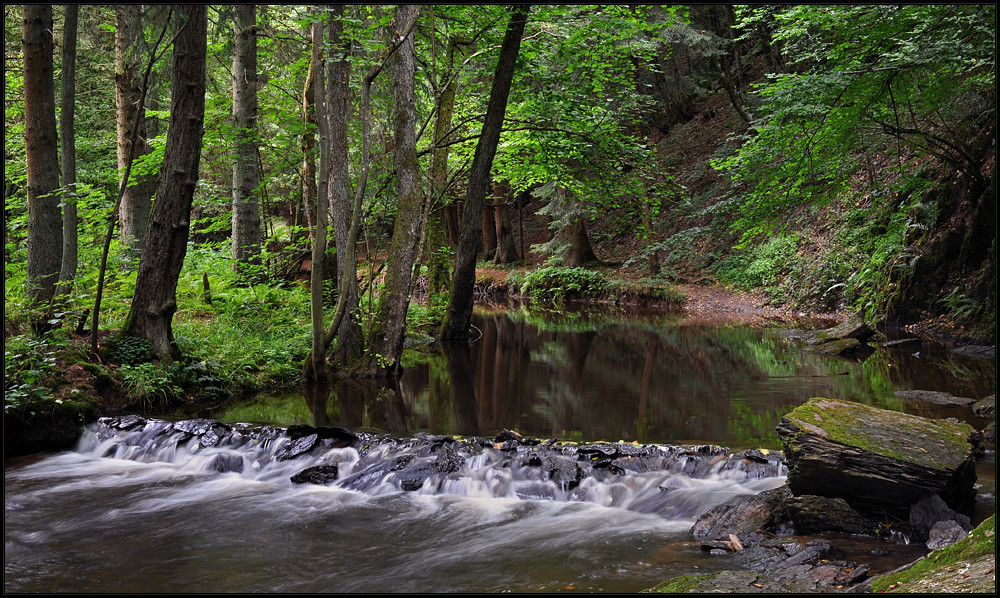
(653, 379)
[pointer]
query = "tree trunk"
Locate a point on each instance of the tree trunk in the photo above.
(350, 338)
(359, 193)
(308, 149)
(70, 247)
(652, 260)
(459, 314)
(438, 247)
(385, 339)
(137, 201)
(155, 299)
(316, 274)
(506, 252)
(489, 232)
(44, 216)
(580, 251)
(246, 239)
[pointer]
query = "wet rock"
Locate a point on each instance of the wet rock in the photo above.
(563, 472)
(816, 514)
(990, 433)
(296, 447)
(125, 422)
(877, 460)
(982, 351)
(945, 533)
(209, 432)
(853, 327)
(777, 565)
(839, 347)
(933, 396)
(748, 515)
(904, 344)
(448, 460)
(227, 463)
(320, 474)
(754, 463)
(340, 437)
(928, 512)
(985, 407)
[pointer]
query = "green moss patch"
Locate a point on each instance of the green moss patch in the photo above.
(914, 439)
(966, 566)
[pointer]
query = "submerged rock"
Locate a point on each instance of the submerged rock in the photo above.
(933, 396)
(877, 460)
(777, 565)
(320, 474)
(985, 407)
(747, 518)
(930, 511)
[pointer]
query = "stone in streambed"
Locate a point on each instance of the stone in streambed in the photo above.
(877, 460)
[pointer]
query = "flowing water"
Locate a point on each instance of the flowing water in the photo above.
(427, 497)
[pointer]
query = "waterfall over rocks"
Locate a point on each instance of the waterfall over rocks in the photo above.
(650, 478)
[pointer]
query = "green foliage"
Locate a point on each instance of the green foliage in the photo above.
(27, 365)
(148, 386)
(130, 351)
(556, 283)
(912, 80)
(760, 266)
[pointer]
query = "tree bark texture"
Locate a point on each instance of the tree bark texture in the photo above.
(350, 338)
(316, 274)
(44, 216)
(506, 252)
(308, 149)
(70, 248)
(155, 299)
(246, 241)
(385, 339)
(489, 232)
(459, 314)
(438, 247)
(580, 251)
(138, 199)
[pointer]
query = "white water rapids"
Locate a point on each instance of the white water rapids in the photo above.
(158, 515)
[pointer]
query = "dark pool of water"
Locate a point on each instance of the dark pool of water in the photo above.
(593, 376)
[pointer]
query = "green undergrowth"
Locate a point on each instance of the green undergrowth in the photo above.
(556, 284)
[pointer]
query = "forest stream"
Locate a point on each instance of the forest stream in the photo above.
(153, 509)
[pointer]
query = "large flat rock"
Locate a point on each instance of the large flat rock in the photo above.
(877, 460)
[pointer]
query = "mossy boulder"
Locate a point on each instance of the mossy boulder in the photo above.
(877, 460)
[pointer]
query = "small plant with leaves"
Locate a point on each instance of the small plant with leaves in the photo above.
(131, 351)
(556, 283)
(27, 362)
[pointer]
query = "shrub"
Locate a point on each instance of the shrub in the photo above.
(556, 283)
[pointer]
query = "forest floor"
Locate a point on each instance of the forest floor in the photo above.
(714, 303)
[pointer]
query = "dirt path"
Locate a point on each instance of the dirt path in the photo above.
(714, 304)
